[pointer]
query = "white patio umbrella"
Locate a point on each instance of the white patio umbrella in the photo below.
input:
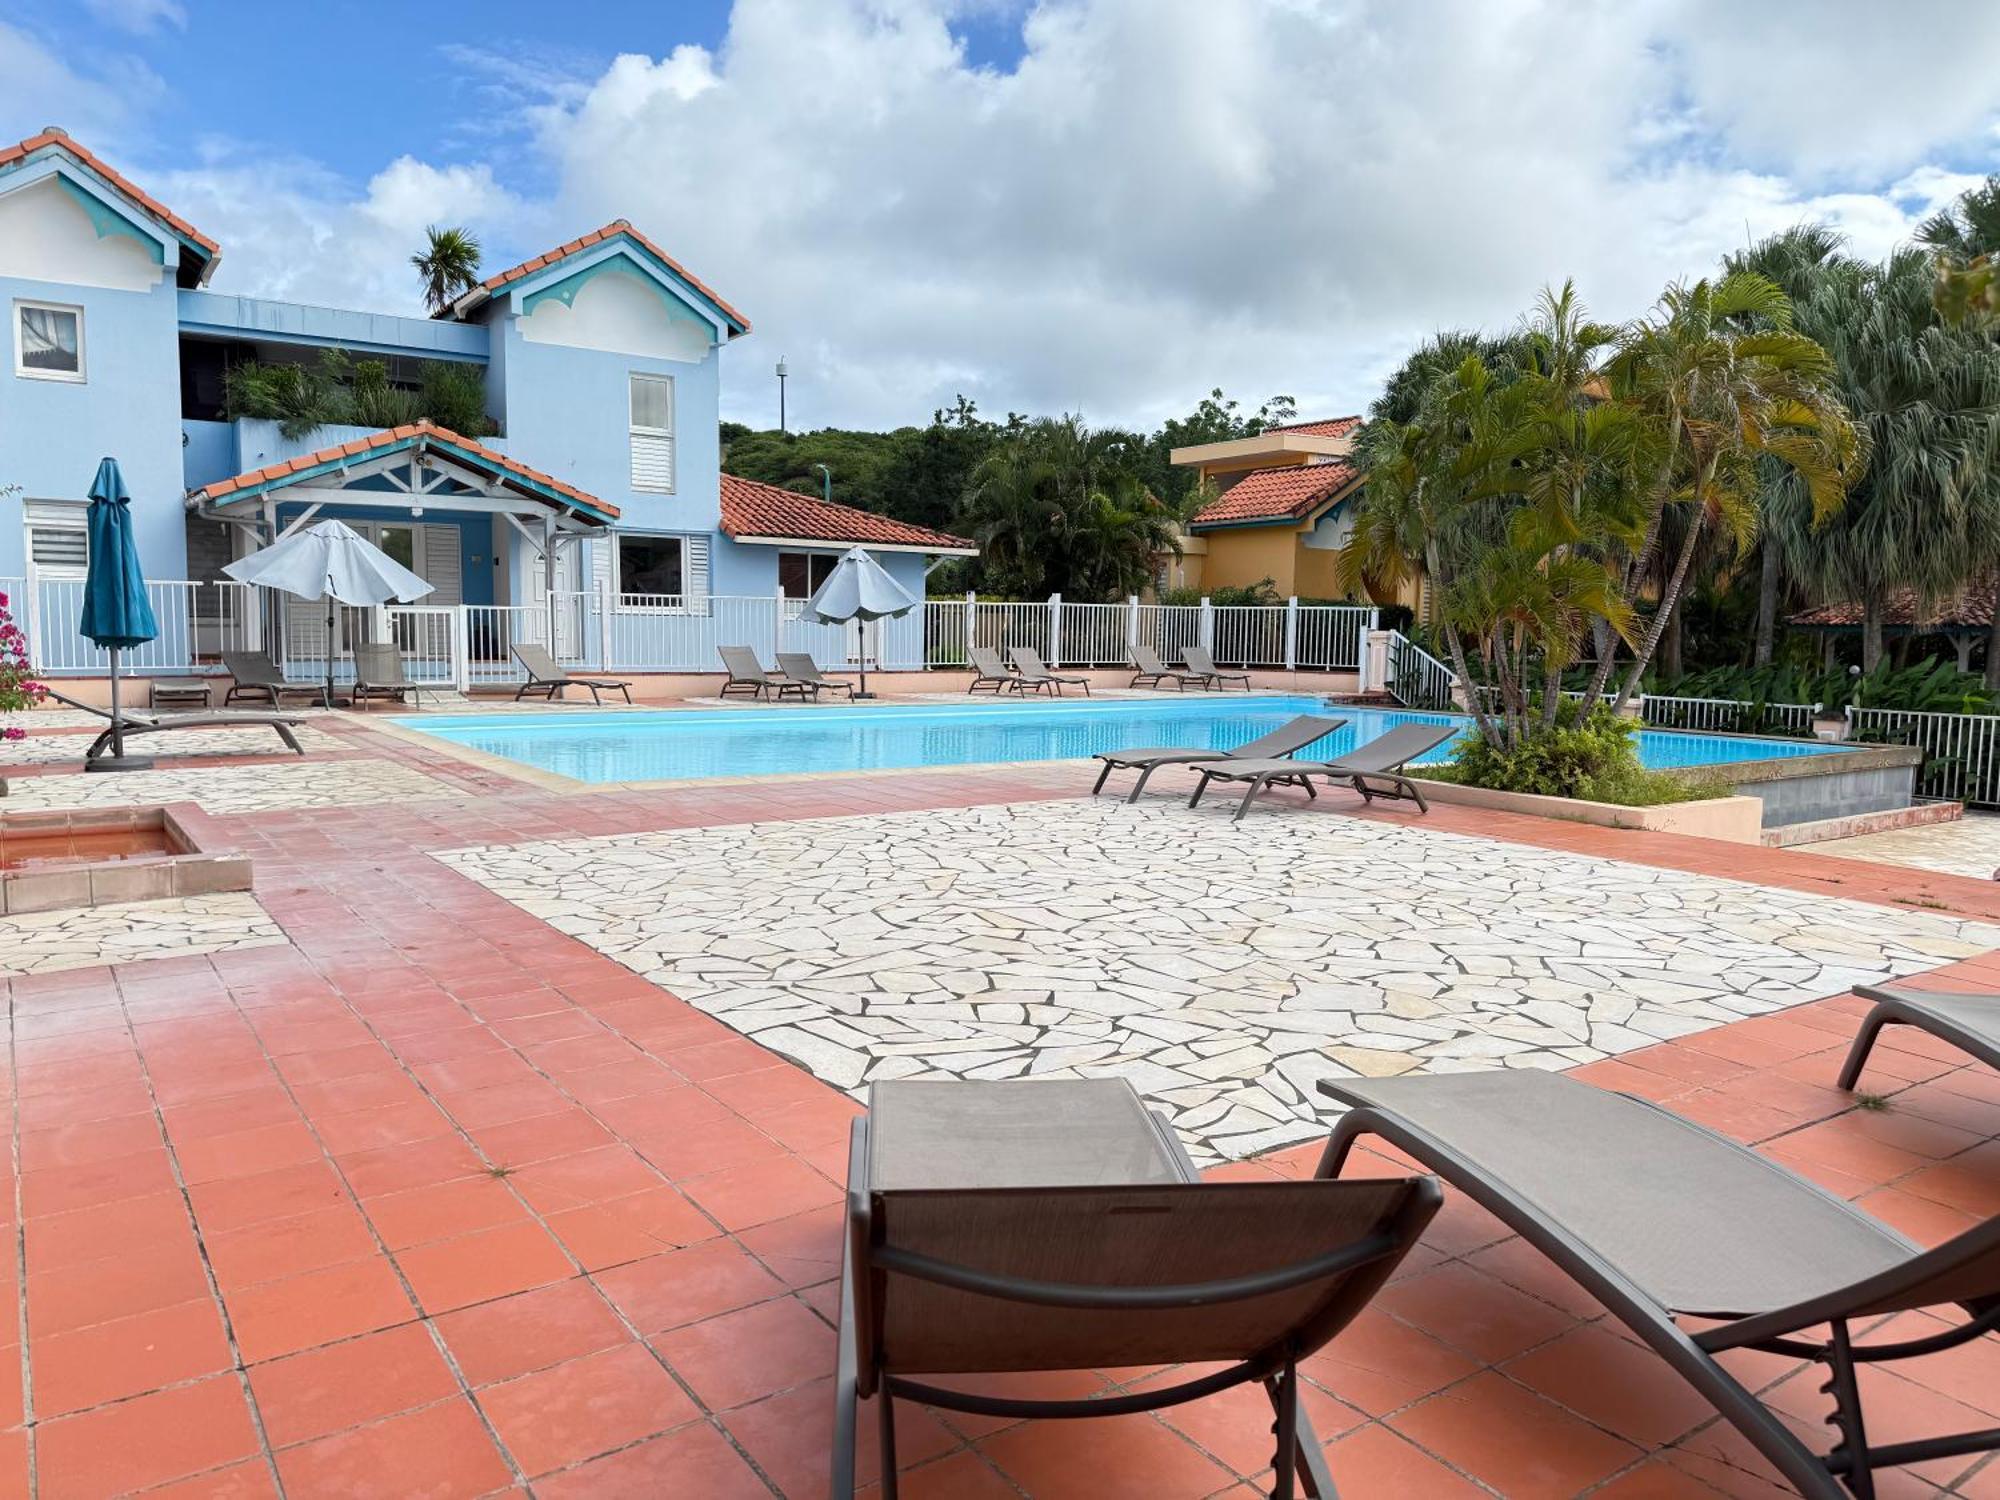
(330, 560)
(859, 588)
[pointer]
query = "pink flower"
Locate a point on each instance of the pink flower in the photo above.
(11, 733)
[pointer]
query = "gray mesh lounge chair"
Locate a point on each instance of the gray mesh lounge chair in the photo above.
(1658, 1217)
(748, 677)
(1969, 1021)
(1374, 769)
(252, 674)
(135, 721)
(1152, 671)
(1286, 739)
(1058, 1226)
(1201, 662)
(1034, 672)
(990, 672)
(551, 681)
(378, 673)
(800, 667)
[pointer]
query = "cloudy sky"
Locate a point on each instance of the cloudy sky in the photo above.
(1106, 206)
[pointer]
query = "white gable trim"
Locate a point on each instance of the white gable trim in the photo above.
(55, 164)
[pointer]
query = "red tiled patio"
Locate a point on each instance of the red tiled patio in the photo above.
(435, 1200)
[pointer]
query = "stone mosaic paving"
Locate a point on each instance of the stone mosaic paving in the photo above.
(81, 937)
(59, 749)
(1969, 846)
(1223, 968)
(268, 787)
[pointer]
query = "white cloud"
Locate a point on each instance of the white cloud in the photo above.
(43, 89)
(139, 17)
(1164, 195)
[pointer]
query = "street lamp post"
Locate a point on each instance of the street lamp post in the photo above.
(782, 373)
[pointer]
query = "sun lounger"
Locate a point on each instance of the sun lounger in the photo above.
(800, 667)
(748, 677)
(252, 674)
(137, 721)
(1286, 739)
(1969, 1021)
(1152, 671)
(551, 681)
(1032, 672)
(1201, 662)
(1041, 1226)
(379, 673)
(1374, 769)
(1658, 1218)
(990, 672)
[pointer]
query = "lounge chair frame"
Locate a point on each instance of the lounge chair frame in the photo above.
(1900, 1005)
(990, 672)
(799, 667)
(1286, 740)
(547, 677)
(255, 672)
(374, 677)
(1030, 671)
(1152, 671)
(741, 679)
(1297, 1458)
(1848, 1470)
(1375, 782)
(1201, 662)
(135, 721)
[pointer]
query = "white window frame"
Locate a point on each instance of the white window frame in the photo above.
(619, 593)
(55, 515)
(636, 432)
(78, 376)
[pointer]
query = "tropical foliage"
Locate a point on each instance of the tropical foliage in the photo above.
(448, 266)
(1925, 687)
(338, 391)
(18, 689)
(1589, 755)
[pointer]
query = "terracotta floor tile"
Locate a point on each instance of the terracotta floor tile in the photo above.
(631, 1228)
(145, 1441)
(397, 1169)
(346, 1384)
(250, 1480)
(530, 1331)
(1513, 1440)
(1615, 1384)
(441, 1452)
(482, 1265)
(1373, 1463)
(140, 1279)
(56, 1190)
(742, 1355)
(527, 1141)
(87, 1234)
(705, 1148)
(620, 1080)
(1474, 1312)
(697, 1460)
(246, 1153)
(242, 1201)
(290, 1246)
(417, 1216)
(381, 1125)
(768, 1090)
(685, 1286)
(276, 1318)
(504, 1103)
(787, 1436)
(1380, 1364)
(962, 1476)
(761, 1191)
(586, 1177)
(1234, 1426)
(89, 1141)
(1107, 1458)
(804, 1249)
(127, 1356)
(585, 1407)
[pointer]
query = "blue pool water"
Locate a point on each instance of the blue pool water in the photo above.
(679, 744)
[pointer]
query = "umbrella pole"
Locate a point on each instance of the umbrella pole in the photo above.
(117, 760)
(329, 651)
(864, 693)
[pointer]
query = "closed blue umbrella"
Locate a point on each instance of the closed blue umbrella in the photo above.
(116, 614)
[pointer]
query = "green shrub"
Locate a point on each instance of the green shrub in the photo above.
(337, 391)
(1590, 757)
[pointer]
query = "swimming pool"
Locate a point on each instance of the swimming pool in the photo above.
(683, 744)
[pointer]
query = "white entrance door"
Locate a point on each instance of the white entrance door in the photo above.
(567, 616)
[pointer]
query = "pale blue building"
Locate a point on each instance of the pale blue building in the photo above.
(597, 498)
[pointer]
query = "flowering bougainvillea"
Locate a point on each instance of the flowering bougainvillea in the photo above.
(18, 689)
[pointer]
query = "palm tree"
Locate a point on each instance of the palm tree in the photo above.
(1721, 380)
(1925, 513)
(448, 266)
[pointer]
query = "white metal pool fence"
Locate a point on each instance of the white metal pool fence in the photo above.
(466, 645)
(1961, 751)
(1728, 715)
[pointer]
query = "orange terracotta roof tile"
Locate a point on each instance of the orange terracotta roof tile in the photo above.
(1327, 427)
(750, 509)
(1903, 609)
(387, 438)
(52, 138)
(617, 228)
(1287, 494)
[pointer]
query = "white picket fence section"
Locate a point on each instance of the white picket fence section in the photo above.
(1416, 678)
(1961, 751)
(1727, 715)
(470, 645)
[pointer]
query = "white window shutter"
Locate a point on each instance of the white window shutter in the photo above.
(441, 566)
(603, 552)
(694, 573)
(653, 462)
(652, 418)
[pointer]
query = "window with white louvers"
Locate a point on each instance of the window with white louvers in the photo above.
(58, 535)
(653, 433)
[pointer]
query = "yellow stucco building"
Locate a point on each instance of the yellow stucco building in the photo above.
(1282, 511)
